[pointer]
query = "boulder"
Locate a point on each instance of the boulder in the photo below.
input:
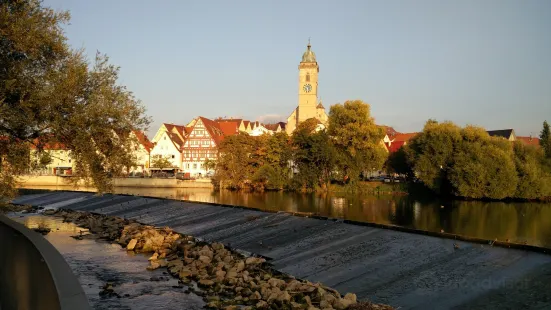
(351, 297)
(132, 244)
(154, 265)
(184, 273)
(154, 256)
(205, 259)
(262, 304)
(254, 260)
(206, 282)
(240, 265)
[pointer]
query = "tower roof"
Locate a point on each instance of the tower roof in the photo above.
(309, 55)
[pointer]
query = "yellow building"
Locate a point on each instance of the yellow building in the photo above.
(308, 104)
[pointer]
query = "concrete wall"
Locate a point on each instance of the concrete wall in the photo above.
(50, 180)
(33, 274)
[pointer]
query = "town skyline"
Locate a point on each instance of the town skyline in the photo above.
(485, 64)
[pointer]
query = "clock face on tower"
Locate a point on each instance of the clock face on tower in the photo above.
(307, 88)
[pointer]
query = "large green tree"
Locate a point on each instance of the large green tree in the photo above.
(357, 139)
(235, 164)
(314, 156)
(50, 93)
(430, 153)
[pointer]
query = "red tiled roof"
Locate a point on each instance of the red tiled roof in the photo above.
(229, 127)
(404, 136)
(529, 141)
(142, 138)
(178, 142)
(395, 146)
(213, 128)
(47, 143)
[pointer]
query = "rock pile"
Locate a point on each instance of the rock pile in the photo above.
(225, 278)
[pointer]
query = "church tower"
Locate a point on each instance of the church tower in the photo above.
(307, 85)
(308, 106)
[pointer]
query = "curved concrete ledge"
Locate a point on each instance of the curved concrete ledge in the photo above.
(33, 274)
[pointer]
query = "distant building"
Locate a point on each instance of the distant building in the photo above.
(168, 143)
(508, 134)
(61, 162)
(141, 151)
(202, 141)
(308, 105)
(530, 141)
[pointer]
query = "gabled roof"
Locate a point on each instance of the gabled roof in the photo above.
(213, 129)
(504, 133)
(282, 124)
(272, 127)
(404, 137)
(529, 141)
(395, 146)
(320, 106)
(143, 140)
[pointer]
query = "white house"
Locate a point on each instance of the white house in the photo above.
(168, 143)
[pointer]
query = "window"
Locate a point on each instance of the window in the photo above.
(172, 156)
(187, 166)
(165, 137)
(307, 77)
(194, 166)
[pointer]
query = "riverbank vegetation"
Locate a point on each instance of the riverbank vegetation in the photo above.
(468, 163)
(310, 159)
(50, 93)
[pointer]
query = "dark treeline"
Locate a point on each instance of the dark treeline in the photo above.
(467, 162)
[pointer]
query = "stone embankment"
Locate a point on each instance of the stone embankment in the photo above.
(225, 278)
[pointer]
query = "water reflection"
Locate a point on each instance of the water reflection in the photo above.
(517, 222)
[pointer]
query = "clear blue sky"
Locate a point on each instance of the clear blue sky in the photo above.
(485, 63)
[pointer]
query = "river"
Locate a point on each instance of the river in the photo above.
(520, 222)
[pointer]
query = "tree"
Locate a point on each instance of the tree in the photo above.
(314, 156)
(161, 162)
(430, 153)
(235, 165)
(49, 93)
(533, 180)
(397, 162)
(545, 140)
(357, 139)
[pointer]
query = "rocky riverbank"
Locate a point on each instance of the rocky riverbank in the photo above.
(223, 277)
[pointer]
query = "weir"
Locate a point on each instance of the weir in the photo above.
(406, 270)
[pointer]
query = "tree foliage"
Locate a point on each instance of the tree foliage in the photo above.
(356, 138)
(49, 93)
(161, 162)
(314, 156)
(467, 162)
(545, 139)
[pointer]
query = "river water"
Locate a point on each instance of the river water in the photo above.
(95, 263)
(520, 222)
